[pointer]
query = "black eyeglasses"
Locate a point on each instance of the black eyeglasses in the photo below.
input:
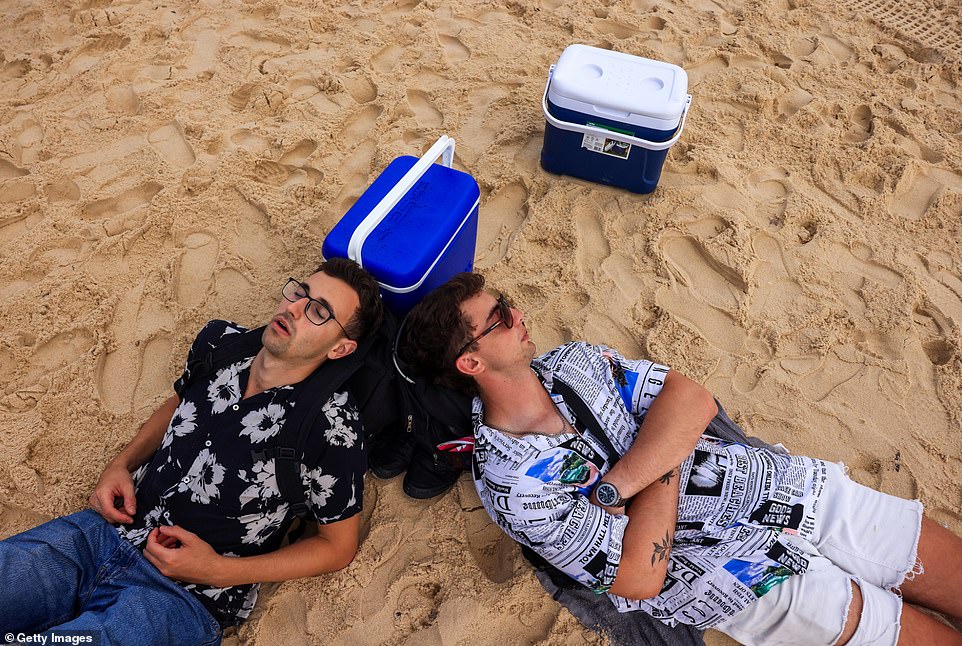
(317, 312)
(504, 310)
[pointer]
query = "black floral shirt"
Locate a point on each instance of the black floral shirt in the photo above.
(207, 475)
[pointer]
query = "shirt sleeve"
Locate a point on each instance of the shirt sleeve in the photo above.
(556, 520)
(638, 380)
(579, 538)
(335, 484)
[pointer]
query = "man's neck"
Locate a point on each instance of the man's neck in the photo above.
(519, 404)
(269, 372)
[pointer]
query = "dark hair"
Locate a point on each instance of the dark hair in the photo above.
(435, 330)
(370, 310)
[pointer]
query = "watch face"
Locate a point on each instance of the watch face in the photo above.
(606, 494)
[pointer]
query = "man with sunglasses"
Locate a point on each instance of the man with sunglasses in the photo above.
(600, 465)
(198, 512)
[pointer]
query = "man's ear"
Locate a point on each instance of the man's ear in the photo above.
(342, 348)
(469, 365)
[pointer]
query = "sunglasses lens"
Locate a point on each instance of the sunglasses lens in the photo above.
(505, 311)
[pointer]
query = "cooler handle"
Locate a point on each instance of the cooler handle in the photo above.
(444, 148)
(610, 134)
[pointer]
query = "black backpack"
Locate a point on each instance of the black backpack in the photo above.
(368, 373)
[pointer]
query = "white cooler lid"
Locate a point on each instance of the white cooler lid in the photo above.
(620, 87)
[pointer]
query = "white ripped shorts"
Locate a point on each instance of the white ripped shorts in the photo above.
(861, 535)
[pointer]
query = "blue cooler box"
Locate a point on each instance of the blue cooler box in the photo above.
(612, 117)
(413, 228)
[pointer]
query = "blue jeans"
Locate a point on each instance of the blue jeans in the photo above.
(76, 574)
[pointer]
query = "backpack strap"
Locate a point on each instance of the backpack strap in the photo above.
(309, 397)
(584, 415)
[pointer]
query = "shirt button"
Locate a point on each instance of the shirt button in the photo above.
(185, 479)
(235, 407)
(207, 443)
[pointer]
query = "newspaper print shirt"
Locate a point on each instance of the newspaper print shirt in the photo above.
(736, 502)
(206, 475)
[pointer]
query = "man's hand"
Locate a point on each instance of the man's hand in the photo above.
(113, 497)
(182, 555)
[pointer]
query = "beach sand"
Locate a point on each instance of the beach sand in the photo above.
(165, 164)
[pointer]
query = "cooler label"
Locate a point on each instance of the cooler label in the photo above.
(604, 145)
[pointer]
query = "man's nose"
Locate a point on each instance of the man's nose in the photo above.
(517, 315)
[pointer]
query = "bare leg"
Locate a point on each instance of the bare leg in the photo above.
(917, 627)
(939, 588)
(920, 628)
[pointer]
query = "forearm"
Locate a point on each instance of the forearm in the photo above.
(143, 445)
(307, 557)
(646, 545)
(677, 418)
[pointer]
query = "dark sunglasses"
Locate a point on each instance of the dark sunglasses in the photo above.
(504, 311)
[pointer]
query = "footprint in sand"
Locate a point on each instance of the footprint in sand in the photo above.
(122, 99)
(385, 60)
(792, 102)
(17, 190)
(592, 247)
(299, 154)
(358, 127)
(718, 328)
(482, 123)
(856, 264)
(771, 187)
(137, 369)
(360, 87)
(57, 353)
(454, 50)
(168, 140)
(27, 144)
(862, 126)
(194, 272)
(934, 328)
(115, 215)
(708, 280)
(774, 291)
(425, 114)
(919, 187)
(354, 171)
(504, 214)
(254, 241)
(9, 170)
(490, 547)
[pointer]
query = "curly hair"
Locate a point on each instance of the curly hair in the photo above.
(435, 329)
(370, 310)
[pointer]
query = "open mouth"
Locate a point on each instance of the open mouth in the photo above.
(281, 325)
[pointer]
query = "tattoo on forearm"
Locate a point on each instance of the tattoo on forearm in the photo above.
(666, 479)
(662, 551)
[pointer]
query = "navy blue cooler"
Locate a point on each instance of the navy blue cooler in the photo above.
(414, 228)
(611, 117)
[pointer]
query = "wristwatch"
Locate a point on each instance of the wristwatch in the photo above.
(607, 494)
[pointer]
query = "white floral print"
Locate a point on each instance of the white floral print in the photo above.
(261, 526)
(264, 485)
(225, 389)
(262, 424)
(320, 486)
(182, 423)
(202, 478)
(339, 414)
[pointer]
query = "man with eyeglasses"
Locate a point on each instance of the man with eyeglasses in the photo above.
(600, 465)
(199, 517)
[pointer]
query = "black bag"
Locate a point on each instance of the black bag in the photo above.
(438, 418)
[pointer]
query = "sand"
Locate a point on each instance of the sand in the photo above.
(164, 164)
